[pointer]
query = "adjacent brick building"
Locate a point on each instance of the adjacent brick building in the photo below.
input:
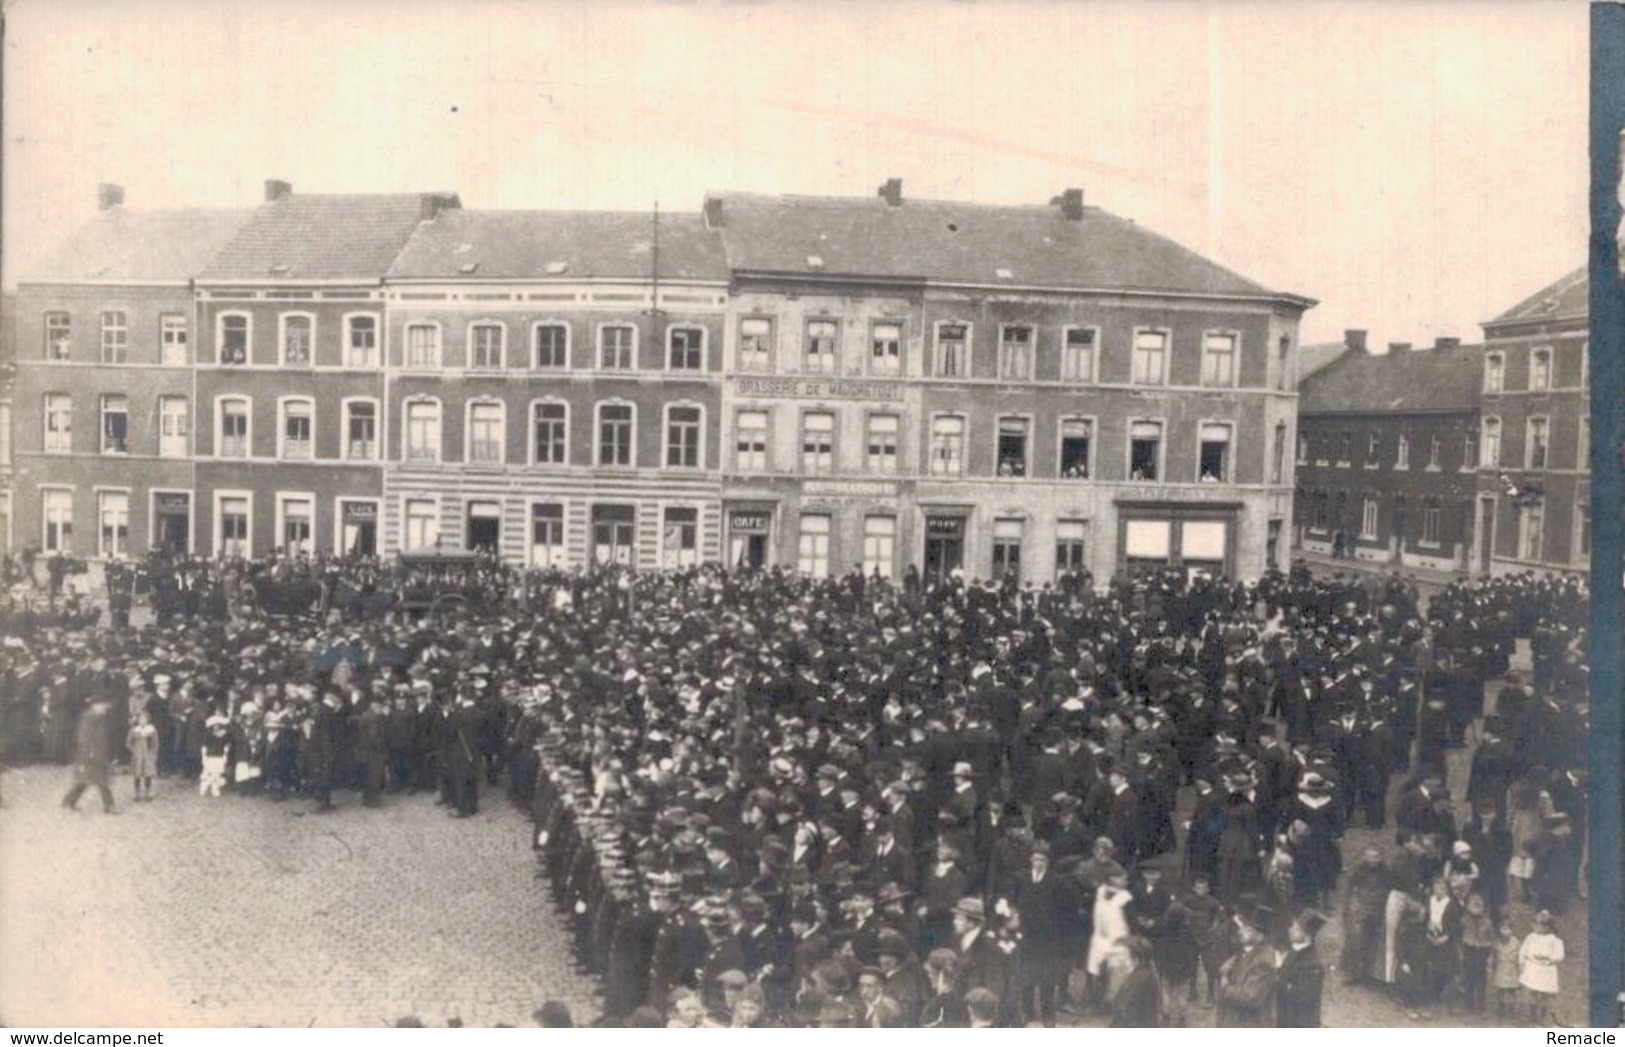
(1387, 455)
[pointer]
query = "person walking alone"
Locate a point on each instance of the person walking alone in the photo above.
(93, 758)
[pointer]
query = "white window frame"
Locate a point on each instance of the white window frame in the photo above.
(1491, 423)
(281, 514)
(1031, 438)
(827, 534)
(282, 405)
(119, 326)
(834, 449)
(969, 368)
(834, 353)
(1529, 443)
(598, 433)
(1434, 511)
(1370, 516)
(185, 434)
(699, 534)
(220, 422)
(897, 370)
(220, 337)
(1495, 364)
(766, 463)
(1551, 368)
(431, 500)
(964, 444)
(535, 344)
(665, 437)
(282, 337)
(1063, 528)
(705, 349)
(1525, 514)
(1060, 442)
(377, 341)
(1162, 450)
(439, 345)
(868, 442)
(101, 424)
(874, 560)
(406, 430)
(1435, 453)
(191, 515)
(166, 342)
(769, 347)
(996, 540)
(562, 557)
(377, 429)
(1032, 352)
(1229, 447)
(1093, 377)
(468, 430)
(1402, 451)
(1167, 357)
(530, 430)
(338, 522)
(502, 345)
(217, 531)
(45, 492)
(598, 347)
(67, 339)
(1235, 359)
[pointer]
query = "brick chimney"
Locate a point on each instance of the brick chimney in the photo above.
(431, 204)
(1447, 343)
(713, 212)
(275, 189)
(1354, 340)
(892, 192)
(1072, 205)
(109, 196)
(1399, 347)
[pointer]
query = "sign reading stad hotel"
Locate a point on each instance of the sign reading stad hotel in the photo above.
(820, 389)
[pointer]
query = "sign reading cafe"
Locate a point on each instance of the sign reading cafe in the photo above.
(820, 389)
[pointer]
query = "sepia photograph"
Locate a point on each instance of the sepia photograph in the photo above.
(765, 514)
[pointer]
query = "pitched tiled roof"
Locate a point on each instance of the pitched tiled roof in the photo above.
(140, 245)
(1316, 356)
(566, 244)
(1568, 297)
(963, 243)
(1398, 381)
(321, 237)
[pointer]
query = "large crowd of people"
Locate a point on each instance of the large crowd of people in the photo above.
(765, 799)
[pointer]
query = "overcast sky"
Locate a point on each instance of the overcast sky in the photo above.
(1416, 167)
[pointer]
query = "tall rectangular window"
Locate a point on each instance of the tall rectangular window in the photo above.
(1491, 458)
(616, 347)
(298, 526)
(1144, 450)
(115, 424)
(234, 533)
(1368, 518)
(233, 441)
(1150, 357)
(112, 525)
(1219, 360)
(234, 339)
(1533, 532)
(1469, 450)
(953, 351)
(1345, 448)
(1213, 454)
(948, 446)
(485, 433)
(1318, 511)
(1078, 354)
(886, 349)
(174, 423)
(882, 442)
(817, 442)
(1012, 449)
(1495, 372)
(1007, 548)
(547, 536)
(1432, 516)
(361, 344)
(485, 347)
(1582, 448)
(115, 338)
(422, 523)
(1016, 353)
(614, 534)
(422, 431)
(361, 431)
(1278, 454)
(685, 349)
(821, 341)
(1303, 449)
(297, 341)
(683, 437)
(548, 433)
(1540, 370)
(879, 545)
(755, 344)
(298, 429)
(1076, 439)
(812, 546)
(750, 441)
(550, 346)
(56, 510)
(1402, 454)
(172, 339)
(680, 537)
(1539, 439)
(423, 345)
(1071, 541)
(58, 336)
(1373, 449)
(615, 434)
(1435, 451)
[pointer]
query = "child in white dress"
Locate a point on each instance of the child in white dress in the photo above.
(1538, 960)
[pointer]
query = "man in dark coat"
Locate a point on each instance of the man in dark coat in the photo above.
(1045, 904)
(1247, 981)
(462, 752)
(1137, 1004)
(1300, 977)
(372, 752)
(92, 757)
(322, 751)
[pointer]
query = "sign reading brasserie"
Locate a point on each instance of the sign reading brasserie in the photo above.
(820, 389)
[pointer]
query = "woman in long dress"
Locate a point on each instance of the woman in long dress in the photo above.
(1538, 960)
